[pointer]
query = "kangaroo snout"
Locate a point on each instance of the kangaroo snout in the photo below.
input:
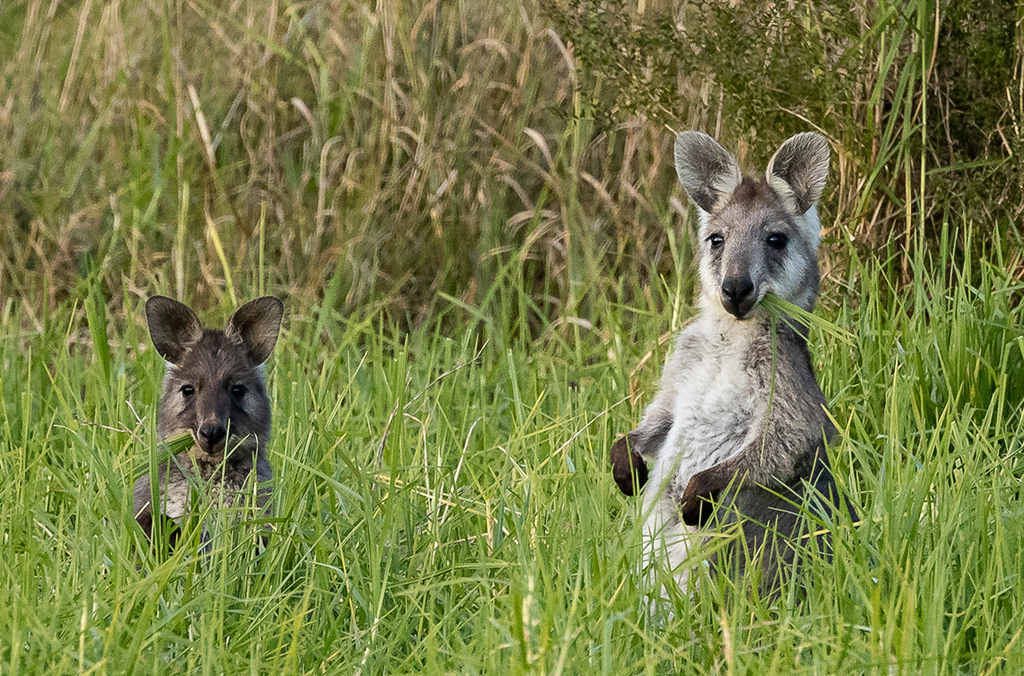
(223, 422)
(738, 296)
(212, 436)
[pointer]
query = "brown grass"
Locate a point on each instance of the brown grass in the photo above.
(409, 155)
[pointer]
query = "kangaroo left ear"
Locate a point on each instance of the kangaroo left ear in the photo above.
(798, 170)
(257, 324)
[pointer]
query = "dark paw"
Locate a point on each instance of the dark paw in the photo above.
(697, 504)
(145, 520)
(169, 530)
(627, 464)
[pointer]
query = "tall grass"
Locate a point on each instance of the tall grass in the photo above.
(481, 265)
(443, 504)
(411, 155)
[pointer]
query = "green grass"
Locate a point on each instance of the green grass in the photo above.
(443, 504)
(480, 268)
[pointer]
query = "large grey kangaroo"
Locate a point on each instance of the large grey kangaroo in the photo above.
(738, 427)
(214, 390)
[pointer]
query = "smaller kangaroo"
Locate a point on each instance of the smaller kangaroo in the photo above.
(739, 421)
(214, 390)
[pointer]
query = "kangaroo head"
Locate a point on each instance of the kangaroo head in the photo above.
(214, 385)
(756, 236)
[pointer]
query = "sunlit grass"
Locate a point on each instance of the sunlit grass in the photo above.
(481, 277)
(442, 504)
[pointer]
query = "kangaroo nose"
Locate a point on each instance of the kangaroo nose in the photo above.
(735, 292)
(212, 434)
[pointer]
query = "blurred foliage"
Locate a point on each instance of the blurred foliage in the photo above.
(768, 63)
(407, 160)
(859, 72)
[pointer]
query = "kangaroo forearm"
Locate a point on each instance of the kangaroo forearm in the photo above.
(646, 440)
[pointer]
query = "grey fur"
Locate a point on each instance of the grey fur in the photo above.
(738, 428)
(800, 166)
(214, 389)
(706, 169)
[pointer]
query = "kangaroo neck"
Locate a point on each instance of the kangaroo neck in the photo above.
(241, 461)
(728, 331)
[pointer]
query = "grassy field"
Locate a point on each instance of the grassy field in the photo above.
(480, 266)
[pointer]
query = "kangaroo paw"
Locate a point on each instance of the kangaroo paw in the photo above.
(627, 464)
(697, 503)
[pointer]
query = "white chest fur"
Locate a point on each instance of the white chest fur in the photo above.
(712, 415)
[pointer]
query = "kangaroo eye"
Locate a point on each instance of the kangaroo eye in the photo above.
(238, 391)
(187, 390)
(778, 241)
(716, 240)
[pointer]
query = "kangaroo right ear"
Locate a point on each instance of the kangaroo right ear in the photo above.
(257, 324)
(709, 173)
(173, 327)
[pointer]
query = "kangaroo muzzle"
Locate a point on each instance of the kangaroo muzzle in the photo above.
(212, 437)
(738, 296)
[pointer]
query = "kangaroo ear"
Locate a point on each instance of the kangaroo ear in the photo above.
(709, 173)
(257, 324)
(173, 327)
(798, 169)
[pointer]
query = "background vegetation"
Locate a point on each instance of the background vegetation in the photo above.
(470, 211)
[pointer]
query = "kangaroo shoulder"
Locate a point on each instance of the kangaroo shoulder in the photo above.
(783, 371)
(688, 345)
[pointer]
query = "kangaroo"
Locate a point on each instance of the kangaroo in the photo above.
(214, 390)
(737, 430)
